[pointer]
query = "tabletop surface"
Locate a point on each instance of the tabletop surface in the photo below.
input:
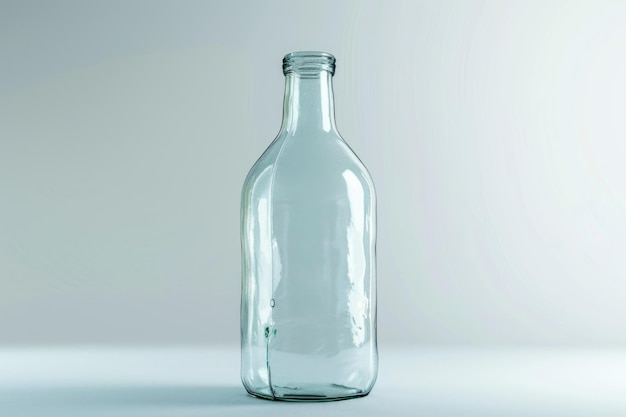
(416, 381)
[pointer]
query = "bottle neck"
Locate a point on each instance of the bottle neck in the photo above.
(309, 103)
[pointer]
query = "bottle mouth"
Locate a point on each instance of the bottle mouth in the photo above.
(308, 63)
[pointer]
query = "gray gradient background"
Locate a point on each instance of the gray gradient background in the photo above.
(494, 132)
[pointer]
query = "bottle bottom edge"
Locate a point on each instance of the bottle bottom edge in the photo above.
(331, 392)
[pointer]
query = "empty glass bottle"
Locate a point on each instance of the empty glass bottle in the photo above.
(308, 234)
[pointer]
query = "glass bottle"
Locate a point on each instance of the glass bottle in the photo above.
(308, 237)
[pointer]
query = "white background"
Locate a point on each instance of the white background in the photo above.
(494, 132)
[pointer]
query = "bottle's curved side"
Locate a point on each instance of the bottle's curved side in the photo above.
(253, 378)
(369, 182)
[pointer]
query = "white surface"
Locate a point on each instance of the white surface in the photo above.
(418, 382)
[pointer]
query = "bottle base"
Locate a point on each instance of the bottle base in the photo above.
(321, 393)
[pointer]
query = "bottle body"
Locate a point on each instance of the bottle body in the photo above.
(308, 225)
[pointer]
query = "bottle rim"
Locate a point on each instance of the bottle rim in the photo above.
(308, 62)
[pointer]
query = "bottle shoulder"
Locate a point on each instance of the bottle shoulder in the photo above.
(323, 158)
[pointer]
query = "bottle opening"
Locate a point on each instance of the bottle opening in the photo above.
(308, 63)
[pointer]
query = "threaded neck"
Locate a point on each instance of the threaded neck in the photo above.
(308, 63)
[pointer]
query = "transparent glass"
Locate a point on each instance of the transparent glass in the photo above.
(308, 234)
